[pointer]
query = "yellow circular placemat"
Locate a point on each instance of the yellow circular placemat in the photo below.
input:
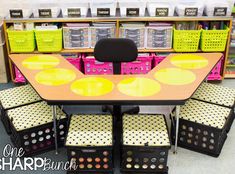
(139, 87)
(175, 76)
(189, 61)
(55, 77)
(92, 86)
(41, 62)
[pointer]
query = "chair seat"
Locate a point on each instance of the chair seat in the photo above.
(216, 94)
(18, 96)
(139, 130)
(90, 130)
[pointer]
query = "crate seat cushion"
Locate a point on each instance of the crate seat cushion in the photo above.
(216, 94)
(33, 115)
(18, 96)
(90, 130)
(139, 130)
(204, 113)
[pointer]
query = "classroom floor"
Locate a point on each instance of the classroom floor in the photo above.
(185, 162)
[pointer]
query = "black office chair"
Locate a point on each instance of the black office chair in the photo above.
(116, 50)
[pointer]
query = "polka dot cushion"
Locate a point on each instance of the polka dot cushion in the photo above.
(90, 130)
(204, 113)
(33, 115)
(18, 96)
(141, 130)
(215, 94)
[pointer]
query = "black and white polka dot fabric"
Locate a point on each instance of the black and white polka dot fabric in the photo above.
(204, 113)
(216, 94)
(33, 115)
(18, 96)
(90, 130)
(142, 130)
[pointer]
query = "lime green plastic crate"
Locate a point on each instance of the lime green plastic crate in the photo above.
(49, 40)
(21, 41)
(186, 40)
(214, 40)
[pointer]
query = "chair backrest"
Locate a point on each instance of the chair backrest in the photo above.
(115, 50)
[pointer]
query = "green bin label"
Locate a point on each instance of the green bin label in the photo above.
(132, 11)
(162, 11)
(45, 13)
(74, 12)
(191, 11)
(220, 11)
(16, 13)
(103, 12)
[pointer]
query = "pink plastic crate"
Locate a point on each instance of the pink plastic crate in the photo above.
(19, 78)
(92, 66)
(142, 65)
(157, 59)
(75, 62)
(74, 59)
(215, 73)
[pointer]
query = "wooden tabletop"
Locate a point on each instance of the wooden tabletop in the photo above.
(173, 81)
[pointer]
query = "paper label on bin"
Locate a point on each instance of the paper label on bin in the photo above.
(132, 11)
(45, 13)
(103, 11)
(220, 11)
(74, 12)
(191, 11)
(162, 11)
(16, 13)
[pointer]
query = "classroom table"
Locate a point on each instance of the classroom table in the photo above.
(172, 82)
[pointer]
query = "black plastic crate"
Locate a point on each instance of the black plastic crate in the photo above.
(146, 144)
(218, 95)
(32, 128)
(202, 127)
(13, 98)
(90, 143)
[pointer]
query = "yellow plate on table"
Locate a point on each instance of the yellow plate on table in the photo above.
(189, 61)
(92, 86)
(41, 62)
(139, 87)
(175, 76)
(55, 77)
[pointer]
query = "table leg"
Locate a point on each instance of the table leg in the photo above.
(55, 127)
(177, 127)
(117, 134)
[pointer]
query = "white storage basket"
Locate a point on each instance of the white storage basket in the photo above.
(160, 8)
(189, 7)
(132, 7)
(71, 5)
(46, 5)
(103, 7)
(219, 7)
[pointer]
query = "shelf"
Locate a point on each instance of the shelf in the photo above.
(91, 50)
(157, 50)
(123, 19)
(82, 50)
